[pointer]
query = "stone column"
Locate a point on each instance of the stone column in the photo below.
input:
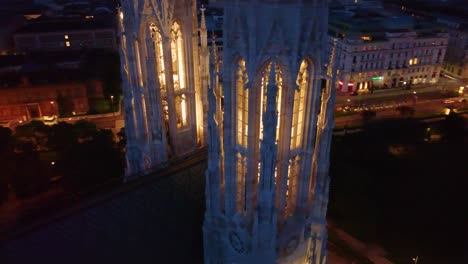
(166, 43)
(154, 108)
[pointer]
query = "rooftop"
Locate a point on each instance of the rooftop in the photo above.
(375, 23)
(46, 24)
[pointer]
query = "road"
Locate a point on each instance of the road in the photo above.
(422, 108)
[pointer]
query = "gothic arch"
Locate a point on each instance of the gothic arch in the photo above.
(241, 93)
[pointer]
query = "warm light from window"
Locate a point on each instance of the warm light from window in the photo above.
(411, 62)
(66, 36)
(121, 15)
(416, 61)
(67, 44)
(184, 109)
(368, 38)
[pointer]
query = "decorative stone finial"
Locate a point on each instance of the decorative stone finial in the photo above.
(203, 20)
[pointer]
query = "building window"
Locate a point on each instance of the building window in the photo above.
(299, 106)
(178, 74)
(159, 58)
(291, 185)
(67, 44)
(241, 181)
(242, 104)
(177, 54)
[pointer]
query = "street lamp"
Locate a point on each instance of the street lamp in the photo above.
(112, 105)
(416, 260)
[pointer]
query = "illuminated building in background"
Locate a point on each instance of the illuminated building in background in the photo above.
(270, 122)
(397, 52)
(163, 76)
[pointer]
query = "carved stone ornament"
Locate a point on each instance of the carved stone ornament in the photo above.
(236, 242)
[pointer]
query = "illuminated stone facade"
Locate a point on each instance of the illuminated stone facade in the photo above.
(396, 60)
(162, 80)
(270, 124)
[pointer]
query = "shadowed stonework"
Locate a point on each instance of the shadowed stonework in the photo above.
(159, 218)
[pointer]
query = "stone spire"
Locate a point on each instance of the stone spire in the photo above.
(269, 133)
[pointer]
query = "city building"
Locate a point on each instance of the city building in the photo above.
(270, 122)
(28, 102)
(164, 77)
(456, 60)
(379, 50)
(56, 34)
(353, 4)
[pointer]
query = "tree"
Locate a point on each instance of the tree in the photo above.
(6, 158)
(103, 65)
(35, 132)
(29, 177)
(93, 158)
(65, 105)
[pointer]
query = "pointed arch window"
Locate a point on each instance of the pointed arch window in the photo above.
(178, 75)
(241, 182)
(242, 104)
(291, 185)
(299, 106)
(177, 54)
(158, 46)
(242, 126)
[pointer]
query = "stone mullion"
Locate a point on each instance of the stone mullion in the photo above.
(157, 129)
(166, 43)
(305, 176)
(229, 142)
(132, 155)
(284, 151)
(252, 142)
(137, 91)
(191, 76)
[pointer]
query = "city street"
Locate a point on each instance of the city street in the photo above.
(422, 108)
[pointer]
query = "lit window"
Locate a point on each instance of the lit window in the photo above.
(241, 182)
(242, 104)
(416, 61)
(159, 57)
(411, 62)
(66, 36)
(67, 43)
(302, 82)
(367, 38)
(177, 54)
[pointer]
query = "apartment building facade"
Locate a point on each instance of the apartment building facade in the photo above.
(396, 59)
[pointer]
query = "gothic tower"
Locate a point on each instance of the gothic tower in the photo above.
(270, 128)
(163, 75)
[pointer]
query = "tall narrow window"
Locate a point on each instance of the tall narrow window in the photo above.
(242, 105)
(241, 176)
(178, 71)
(140, 73)
(177, 53)
(159, 58)
(299, 104)
(291, 184)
